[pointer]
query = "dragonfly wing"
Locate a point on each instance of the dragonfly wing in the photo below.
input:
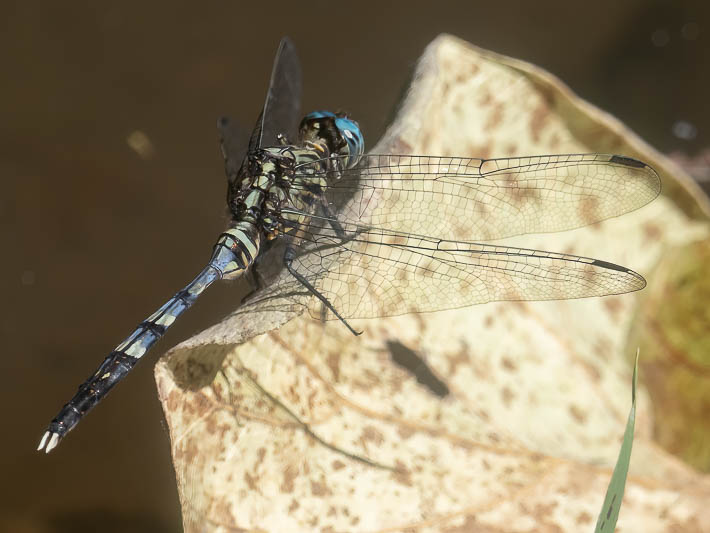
(486, 199)
(373, 272)
(282, 107)
(233, 144)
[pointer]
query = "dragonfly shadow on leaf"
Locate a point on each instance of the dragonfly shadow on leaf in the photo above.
(418, 367)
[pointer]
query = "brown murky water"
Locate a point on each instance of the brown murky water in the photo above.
(113, 187)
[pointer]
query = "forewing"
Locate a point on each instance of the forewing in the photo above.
(485, 199)
(371, 272)
(282, 108)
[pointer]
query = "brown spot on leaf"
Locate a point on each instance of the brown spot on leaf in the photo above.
(319, 489)
(290, 473)
(507, 396)
(402, 474)
(584, 518)
(470, 525)
(333, 362)
(461, 78)
(652, 232)
(399, 146)
(370, 433)
(173, 400)
(590, 274)
(425, 141)
(250, 481)
(459, 358)
(613, 304)
(222, 512)
(495, 117)
(588, 209)
(481, 151)
(578, 414)
(260, 454)
(537, 121)
(508, 364)
(199, 406)
(537, 457)
(544, 511)
(602, 348)
(211, 426)
(405, 432)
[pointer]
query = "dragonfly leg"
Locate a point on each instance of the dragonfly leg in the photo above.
(332, 220)
(288, 262)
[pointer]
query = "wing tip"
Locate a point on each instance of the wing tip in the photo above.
(640, 165)
(640, 281)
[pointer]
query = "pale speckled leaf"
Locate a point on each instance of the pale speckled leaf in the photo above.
(527, 436)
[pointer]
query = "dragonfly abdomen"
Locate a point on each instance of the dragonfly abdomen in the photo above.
(233, 253)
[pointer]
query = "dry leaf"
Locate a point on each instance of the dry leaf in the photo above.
(264, 425)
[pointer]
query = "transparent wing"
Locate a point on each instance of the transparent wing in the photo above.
(282, 108)
(368, 272)
(485, 199)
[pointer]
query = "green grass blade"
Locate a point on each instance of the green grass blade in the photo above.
(615, 493)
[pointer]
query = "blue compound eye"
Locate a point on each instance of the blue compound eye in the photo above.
(352, 135)
(318, 114)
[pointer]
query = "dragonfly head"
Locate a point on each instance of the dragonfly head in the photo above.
(341, 135)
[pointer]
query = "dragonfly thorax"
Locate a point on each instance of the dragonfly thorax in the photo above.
(261, 183)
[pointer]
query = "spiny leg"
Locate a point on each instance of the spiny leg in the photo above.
(288, 262)
(334, 223)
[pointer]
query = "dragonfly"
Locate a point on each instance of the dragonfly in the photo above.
(357, 235)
